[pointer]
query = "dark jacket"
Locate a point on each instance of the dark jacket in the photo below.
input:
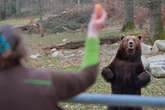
(23, 88)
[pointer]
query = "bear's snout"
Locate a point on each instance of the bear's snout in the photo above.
(131, 44)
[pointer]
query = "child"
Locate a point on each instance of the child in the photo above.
(23, 88)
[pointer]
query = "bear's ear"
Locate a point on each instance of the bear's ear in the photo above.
(122, 38)
(140, 38)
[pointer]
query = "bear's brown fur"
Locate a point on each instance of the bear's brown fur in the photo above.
(126, 72)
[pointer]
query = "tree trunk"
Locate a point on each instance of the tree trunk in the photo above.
(18, 7)
(40, 10)
(78, 2)
(3, 10)
(129, 15)
(156, 25)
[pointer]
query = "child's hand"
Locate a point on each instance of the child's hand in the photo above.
(97, 21)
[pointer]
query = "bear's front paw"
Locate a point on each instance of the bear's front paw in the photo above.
(144, 76)
(107, 74)
(143, 79)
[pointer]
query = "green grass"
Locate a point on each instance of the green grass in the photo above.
(15, 21)
(18, 21)
(109, 33)
(34, 40)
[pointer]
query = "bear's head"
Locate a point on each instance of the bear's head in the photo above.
(130, 48)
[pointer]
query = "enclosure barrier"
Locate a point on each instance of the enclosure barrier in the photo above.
(119, 100)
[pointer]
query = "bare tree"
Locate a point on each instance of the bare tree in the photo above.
(156, 25)
(18, 7)
(129, 15)
(40, 10)
(3, 4)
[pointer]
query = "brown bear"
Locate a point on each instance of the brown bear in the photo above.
(126, 72)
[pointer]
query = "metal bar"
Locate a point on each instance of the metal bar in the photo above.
(119, 100)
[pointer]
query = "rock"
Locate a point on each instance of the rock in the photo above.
(53, 50)
(146, 49)
(35, 56)
(69, 56)
(80, 52)
(64, 40)
(56, 54)
(159, 45)
(50, 65)
(69, 53)
(157, 66)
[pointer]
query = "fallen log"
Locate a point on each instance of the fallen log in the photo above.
(21, 27)
(79, 44)
(31, 28)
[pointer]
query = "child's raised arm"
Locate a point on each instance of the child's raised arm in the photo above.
(70, 84)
